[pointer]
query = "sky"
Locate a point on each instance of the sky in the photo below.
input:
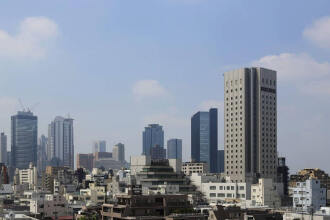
(117, 65)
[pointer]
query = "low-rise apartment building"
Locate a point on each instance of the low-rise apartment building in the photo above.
(309, 196)
(266, 193)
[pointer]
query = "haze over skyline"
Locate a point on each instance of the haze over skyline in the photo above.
(116, 66)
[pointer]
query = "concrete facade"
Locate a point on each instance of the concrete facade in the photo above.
(250, 124)
(266, 193)
(309, 196)
(194, 167)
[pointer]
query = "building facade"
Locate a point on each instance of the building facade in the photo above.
(221, 161)
(28, 176)
(250, 124)
(194, 167)
(42, 153)
(174, 149)
(99, 146)
(309, 196)
(61, 142)
(153, 136)
(204, 138)
(24, 139)
(118, 152)
(266, 193)
(3, 148)
(85, 161)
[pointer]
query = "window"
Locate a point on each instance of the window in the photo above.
(241, 188)
(221, 187)
(229, 195)
(213, 194)
(221, 195)
(213, 187)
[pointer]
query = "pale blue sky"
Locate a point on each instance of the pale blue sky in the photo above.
(117, 65)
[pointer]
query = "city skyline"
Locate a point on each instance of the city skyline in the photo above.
(135, 76)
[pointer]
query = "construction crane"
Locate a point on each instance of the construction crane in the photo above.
(27, 109)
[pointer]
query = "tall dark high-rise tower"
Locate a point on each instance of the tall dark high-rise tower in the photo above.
(153, 137)
(204, 138)
(24, 139)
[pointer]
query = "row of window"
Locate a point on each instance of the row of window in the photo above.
(228, 195)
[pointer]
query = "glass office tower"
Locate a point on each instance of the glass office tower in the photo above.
(24, 139)
(204, 138)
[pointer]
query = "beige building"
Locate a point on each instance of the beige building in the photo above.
(94, 194)
(250, 124)
(194, 167)
(28, 176)
(118, 152)
(266, 193)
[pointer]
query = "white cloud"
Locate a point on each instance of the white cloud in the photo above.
(294, 67)
(148, 89)
(319, 32)
(30, 41)
(206, 105)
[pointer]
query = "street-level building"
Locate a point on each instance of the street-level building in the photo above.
(194, 167)
(266, 193)
(309, 196)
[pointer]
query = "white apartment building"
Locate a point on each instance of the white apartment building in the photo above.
(266, 193)
(250, 124)
(28, 176)
(194, 167)
(218, 189)
(308, 196)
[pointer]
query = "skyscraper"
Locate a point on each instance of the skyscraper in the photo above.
(174, 149)
(99, 146)
(250, 124)
(153, 136)
(204, 138)
(24, 137)
(3, 148)
(118, 152)
(41, 153)
(221, 161)
(60, 141)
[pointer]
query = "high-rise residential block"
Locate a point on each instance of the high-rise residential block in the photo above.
(118, 152)
(153, 136)
(174, 149)
(24, 139)
(60, 141)
(99, 146)
(204, 138)
(250, 124)
(3, 148)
